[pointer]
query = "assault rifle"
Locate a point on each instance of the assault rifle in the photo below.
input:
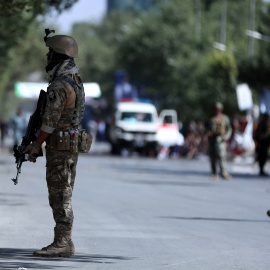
(33, 126)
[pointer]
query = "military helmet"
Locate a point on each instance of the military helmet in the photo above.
(219, 106)
(63, 44)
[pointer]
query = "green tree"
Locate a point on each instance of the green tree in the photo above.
(255, 70)
(180, 71)
(158, 48)
(162, 53)
(17, 17)
(99, 47)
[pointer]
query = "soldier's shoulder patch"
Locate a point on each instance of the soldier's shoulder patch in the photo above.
(52, 96)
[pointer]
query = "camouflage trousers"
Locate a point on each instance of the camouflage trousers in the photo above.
(60, 177)
(217, 155)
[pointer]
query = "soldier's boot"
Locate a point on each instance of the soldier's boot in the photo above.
(72, 247)
(71, 244)
(226, 176)
(60, 246)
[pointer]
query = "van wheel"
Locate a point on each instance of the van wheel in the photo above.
(115, 149)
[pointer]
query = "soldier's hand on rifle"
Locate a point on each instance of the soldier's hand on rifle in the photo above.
(32, 150)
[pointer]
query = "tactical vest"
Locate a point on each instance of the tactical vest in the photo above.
(74, 116)
(219, 125)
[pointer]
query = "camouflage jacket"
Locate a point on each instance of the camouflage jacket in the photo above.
(220, 127)
(60, 95)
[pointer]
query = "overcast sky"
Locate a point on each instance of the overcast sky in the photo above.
(83, 10)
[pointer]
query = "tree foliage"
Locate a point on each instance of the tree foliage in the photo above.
(160, 49)
(174, 67)
(17, 15)
(18, 38)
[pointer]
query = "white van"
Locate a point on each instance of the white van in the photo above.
(134, 127)
(137, 127)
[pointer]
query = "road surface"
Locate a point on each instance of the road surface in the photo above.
(140, 213)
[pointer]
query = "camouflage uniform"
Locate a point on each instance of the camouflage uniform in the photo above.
(220, 129)
(62, 116)
(61, 165)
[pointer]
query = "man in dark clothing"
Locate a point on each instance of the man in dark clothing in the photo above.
(263, 138)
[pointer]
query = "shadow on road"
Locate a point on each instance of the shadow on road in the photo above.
(184, 172)
(12, 195)
(11, 199)
(245, 176)
(15, 258)
(215, 219)
(169, 183)
(159, 171)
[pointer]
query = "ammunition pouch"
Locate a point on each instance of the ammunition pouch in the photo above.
(74, 116)
(73, 141)
(85, 141)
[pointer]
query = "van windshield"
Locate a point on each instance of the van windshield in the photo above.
(137, 117)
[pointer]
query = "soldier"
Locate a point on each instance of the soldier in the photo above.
(262, 137)
(63, 114)
(219, 133)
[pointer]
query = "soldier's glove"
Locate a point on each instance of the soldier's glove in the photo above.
(32, 150)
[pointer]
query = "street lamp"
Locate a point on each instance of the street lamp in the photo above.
(198, 19)
(257, 35)
(221, 45)
(223, 22)
(252, 26)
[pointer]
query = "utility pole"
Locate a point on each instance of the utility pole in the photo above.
(222, 44)
(252, 26)
(198, 19)
(223, 22)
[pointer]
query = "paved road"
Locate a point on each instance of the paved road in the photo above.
(140, 213)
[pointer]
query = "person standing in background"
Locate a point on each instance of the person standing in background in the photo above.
(262, 137)
(3, 130)
(219, 132)
(18, 125)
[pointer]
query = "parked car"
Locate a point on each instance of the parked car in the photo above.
(134, 128)
(137, 127)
